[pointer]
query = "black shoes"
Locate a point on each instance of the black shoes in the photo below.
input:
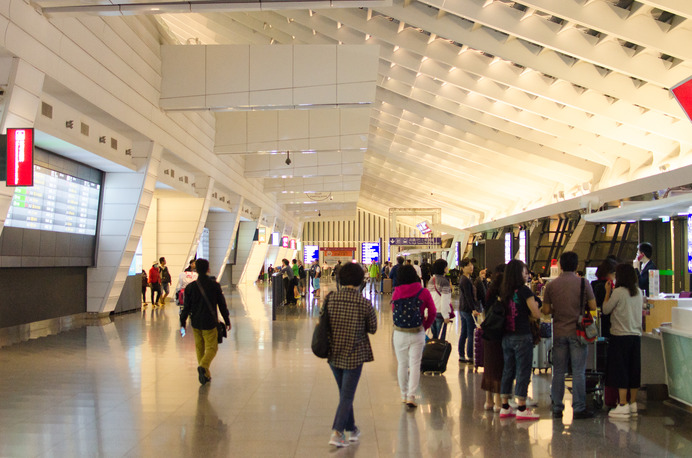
(557, 414)
(582, 415)
(203, 379)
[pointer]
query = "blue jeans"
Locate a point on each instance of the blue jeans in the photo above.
(438, 326)
(347, 380)
(564, 349)
(518, 353)
(466, 337)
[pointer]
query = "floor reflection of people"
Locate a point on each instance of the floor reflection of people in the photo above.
(408, 440)
(210, 435)
(435, 395)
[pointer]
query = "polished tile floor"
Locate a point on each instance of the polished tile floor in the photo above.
(129, 388)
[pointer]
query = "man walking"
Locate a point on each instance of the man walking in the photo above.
(373, 273)
(202, 297)
(165, 279)
(562, 298)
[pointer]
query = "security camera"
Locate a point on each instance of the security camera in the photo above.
(288, 158)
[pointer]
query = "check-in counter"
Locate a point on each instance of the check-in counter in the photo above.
(660, 310)
(677, 353)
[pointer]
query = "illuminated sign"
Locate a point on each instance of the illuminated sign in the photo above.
(284, 241)
(262, 235)
(522, 246)
(310, 253)
(689, 243)
(414, 241)
(292, 244)
(276, 239)
(20, 157)
(370, 252)
(683, 94)
(56, 202)
(424, 228)
(508, 247)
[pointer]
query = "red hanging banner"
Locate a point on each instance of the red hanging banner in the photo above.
(683, 94)
(20, 157)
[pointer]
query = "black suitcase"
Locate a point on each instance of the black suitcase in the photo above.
(436, 354)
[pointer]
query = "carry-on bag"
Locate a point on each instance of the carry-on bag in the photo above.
(541, 358)
(387, 285)
(477, 348)
(436, 354)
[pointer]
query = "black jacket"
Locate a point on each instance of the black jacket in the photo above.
(644, 277)
(196, 307)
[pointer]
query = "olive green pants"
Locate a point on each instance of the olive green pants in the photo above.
(206, 345)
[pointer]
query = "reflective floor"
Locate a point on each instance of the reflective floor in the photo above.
(130, 388)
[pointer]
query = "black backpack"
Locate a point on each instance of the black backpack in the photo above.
(301, 272)
(313, 270)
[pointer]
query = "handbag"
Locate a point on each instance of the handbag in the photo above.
(493, 325)
(220, 326)
(587, 328)
(320, 336)
(535, 326)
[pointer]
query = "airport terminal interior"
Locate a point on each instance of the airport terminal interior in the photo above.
(249, 131)
(129, 388)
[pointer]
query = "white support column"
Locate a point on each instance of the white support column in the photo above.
(202, 219)
(223, 228)
(180, 221)
(22, 100)
(256, 257)
(127, 197)
(246, 232)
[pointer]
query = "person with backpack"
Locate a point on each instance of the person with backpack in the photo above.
(302, 274)
(155, 283)
(315, 274)
(517, 341)
(413, 312)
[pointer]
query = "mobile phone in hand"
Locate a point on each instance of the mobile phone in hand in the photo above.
(182, 332)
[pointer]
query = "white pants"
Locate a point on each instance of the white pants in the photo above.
(409, 351)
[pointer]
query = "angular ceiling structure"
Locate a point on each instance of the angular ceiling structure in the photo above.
(484, 108)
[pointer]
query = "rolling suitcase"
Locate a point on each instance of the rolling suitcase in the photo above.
(477, 348)
(387, 286)
(436, 354)
(541, 358)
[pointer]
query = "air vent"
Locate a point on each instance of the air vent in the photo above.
(114, 143)
(85, 129)
(46, 110)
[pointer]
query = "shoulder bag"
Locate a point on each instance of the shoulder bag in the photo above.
(220, 326)
(320, 336)
(587, 328)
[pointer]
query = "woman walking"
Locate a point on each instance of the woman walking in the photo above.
(351, 318)
(441, 292)
(517, 341)
(414, 312)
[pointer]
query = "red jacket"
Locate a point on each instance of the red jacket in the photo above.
(154, 276)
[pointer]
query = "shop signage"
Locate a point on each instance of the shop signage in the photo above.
(20, 157)
(284, 241)
(292, 244)
(262, 235)
(412, 241)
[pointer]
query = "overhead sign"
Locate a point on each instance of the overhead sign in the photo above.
(20, 157)
(423, 227)
(284, 241)
(370, 252)
(262, 235)
(276, 239)
(683, 94)
(508, 246)
(310, 253)
(689, 243)
(411, 241)
(292, 244)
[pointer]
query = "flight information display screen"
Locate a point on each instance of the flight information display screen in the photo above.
(57, 202)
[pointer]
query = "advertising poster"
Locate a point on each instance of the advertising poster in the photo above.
(332, 255)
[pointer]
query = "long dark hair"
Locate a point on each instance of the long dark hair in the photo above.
(512, 280)
(626, 277)
(496, 282)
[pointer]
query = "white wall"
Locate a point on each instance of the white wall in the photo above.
(246, 231)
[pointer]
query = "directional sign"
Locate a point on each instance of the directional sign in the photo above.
(412, 241)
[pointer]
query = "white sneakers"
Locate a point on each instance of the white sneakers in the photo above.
(527, 414)
(633, 409)
(338, 439)
(623, 411)
(507, 413)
